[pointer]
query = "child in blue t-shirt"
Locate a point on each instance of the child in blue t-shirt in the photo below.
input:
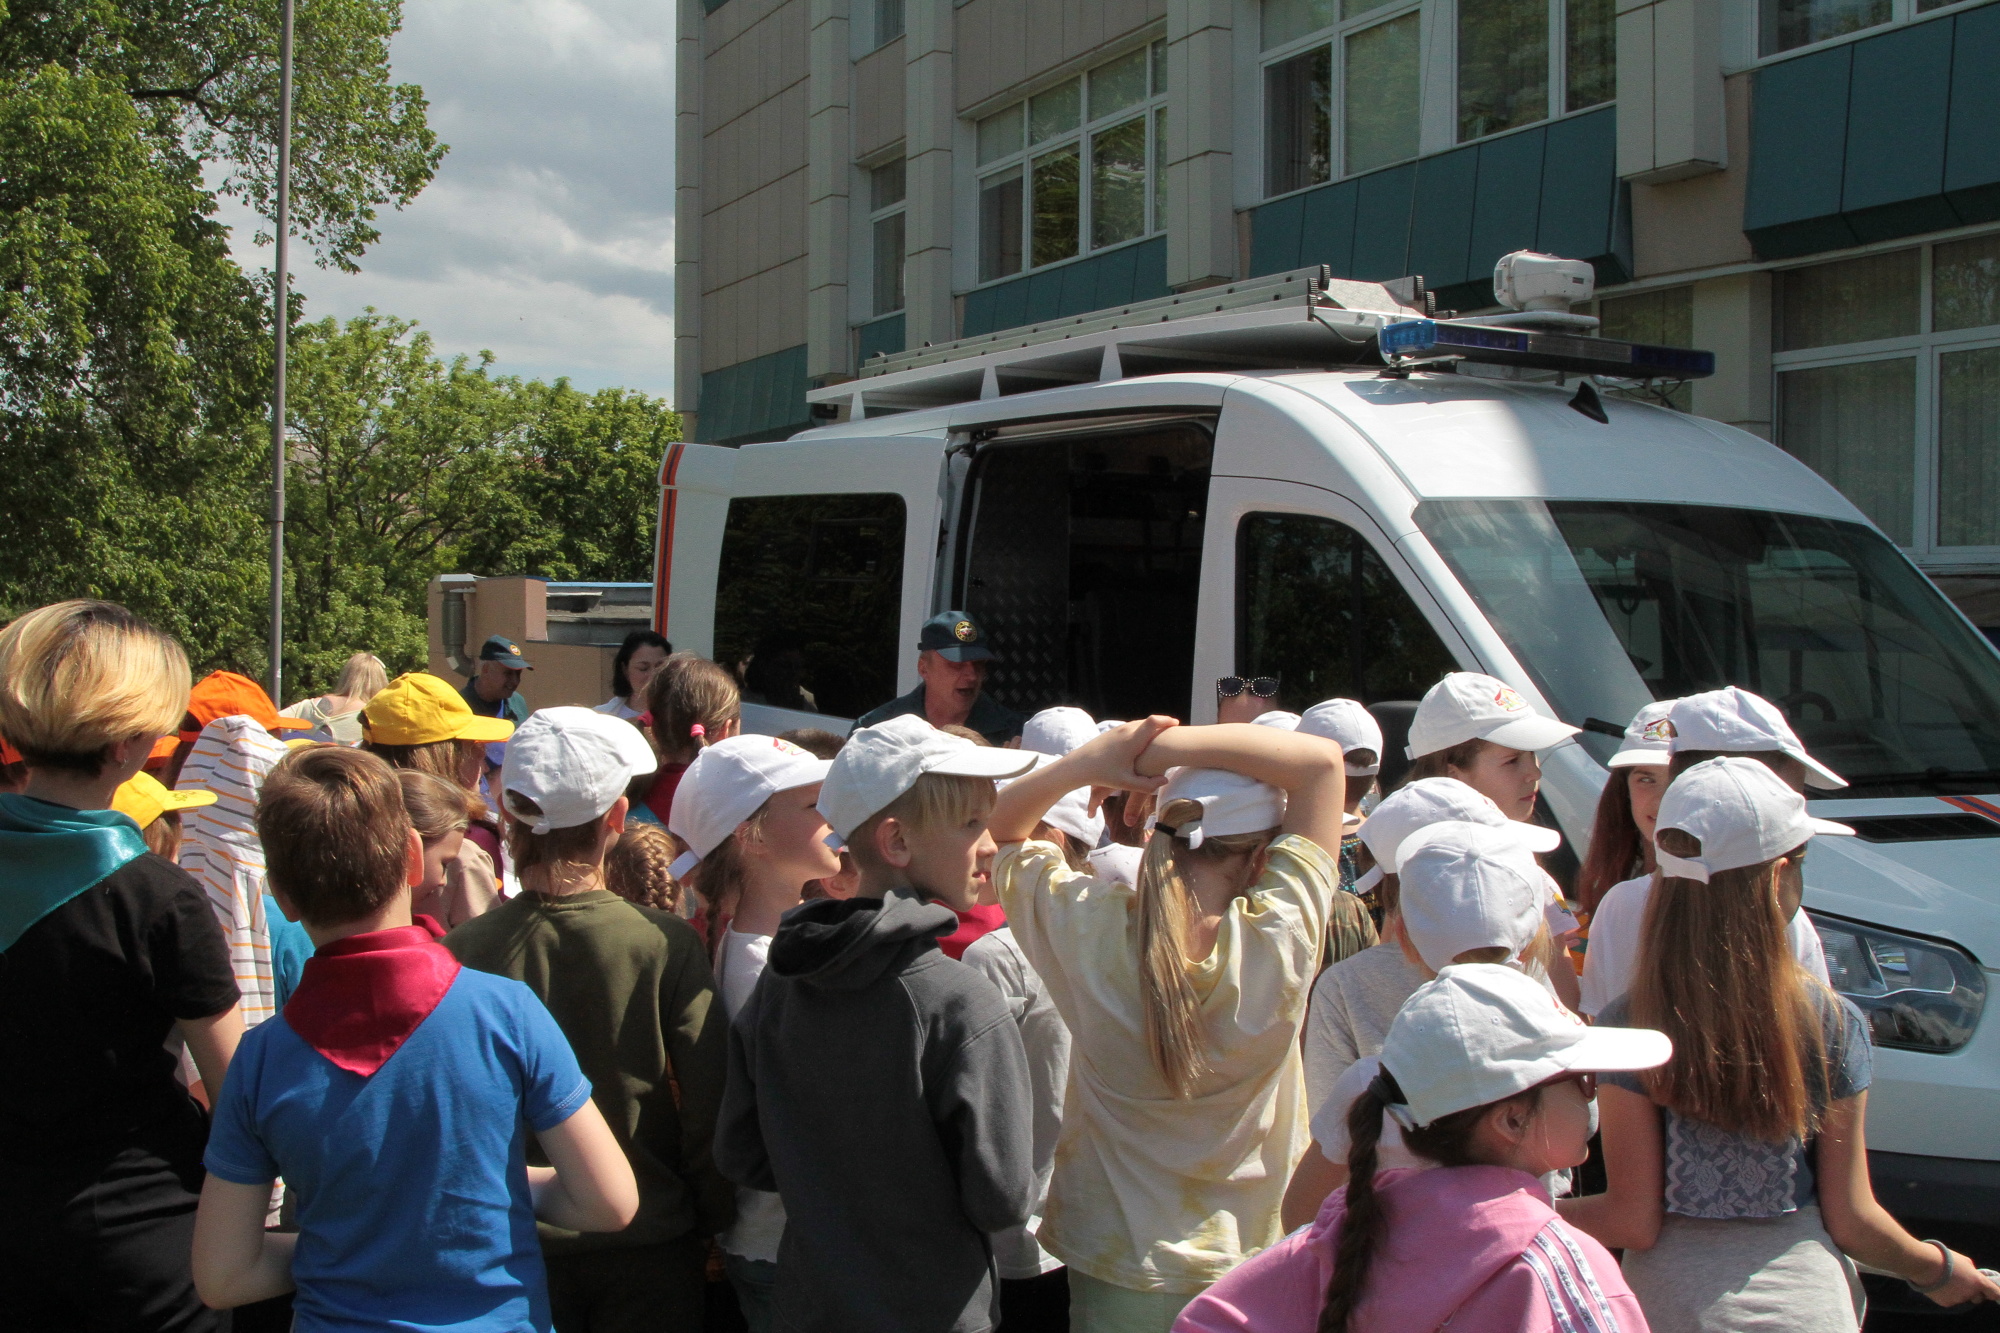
(395, 1093)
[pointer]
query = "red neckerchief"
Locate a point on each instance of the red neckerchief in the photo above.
(360, 998)
(972, 923)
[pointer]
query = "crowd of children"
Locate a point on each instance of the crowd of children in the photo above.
(1126, 1026)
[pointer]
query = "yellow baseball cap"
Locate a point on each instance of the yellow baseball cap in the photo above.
(144, 800)
(418, 708)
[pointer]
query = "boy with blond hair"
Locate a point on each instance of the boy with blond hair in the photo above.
(395, 1093)
(877, 1085)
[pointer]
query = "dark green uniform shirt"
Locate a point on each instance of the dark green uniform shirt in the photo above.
(995, 721)
(631, 989)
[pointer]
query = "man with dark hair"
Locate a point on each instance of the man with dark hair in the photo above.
(951, 670)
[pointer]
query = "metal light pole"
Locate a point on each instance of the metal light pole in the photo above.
(281, 318)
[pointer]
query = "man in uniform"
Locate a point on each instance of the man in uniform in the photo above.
(951, 669)
(494, 690)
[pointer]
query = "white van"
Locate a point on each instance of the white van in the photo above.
(1137, 503)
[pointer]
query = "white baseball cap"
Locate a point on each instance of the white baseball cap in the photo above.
(1467, 706)
(881, 762)
(1417, 805)
(1057, 731)
(1649, 737)
(1743, 813)
(1734, 720)
(1481, 1033)
(1469, 886)
(1230, 803)
(1349, 725)
(1277, 717)
(727, 783)
(1071, 812)
(574, 764)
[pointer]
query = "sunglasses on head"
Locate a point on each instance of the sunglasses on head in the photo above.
(1261, 686)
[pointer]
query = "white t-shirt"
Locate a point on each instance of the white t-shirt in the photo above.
(1353, 1003)
(1612, 958)
(616, 707)
(760, 1214)
(1117, 862)
(1154, 1192)
(997, 956)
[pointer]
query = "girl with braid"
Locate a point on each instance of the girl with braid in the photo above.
(1485, 1087)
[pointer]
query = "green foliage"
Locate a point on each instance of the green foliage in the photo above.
(404, 465)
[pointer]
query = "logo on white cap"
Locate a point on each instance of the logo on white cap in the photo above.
(1467, 706)
(1743, 813)
(1481, 1033)
(881, 762)
(1734, 720)
(727, 783)
(573, 764)
(1649, 737)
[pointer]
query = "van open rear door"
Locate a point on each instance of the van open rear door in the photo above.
(805, 566)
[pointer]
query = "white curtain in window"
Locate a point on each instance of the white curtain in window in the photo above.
(1969, 448)
(1855, 425)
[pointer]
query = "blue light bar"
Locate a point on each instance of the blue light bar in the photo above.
(1439, 340)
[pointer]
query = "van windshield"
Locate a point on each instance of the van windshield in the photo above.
(1609, 605)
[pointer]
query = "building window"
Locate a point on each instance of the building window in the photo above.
(886, 189)
(888, 21)
(1343, 86)
(1663, 318)
(1787, 25)
(1074, 168)
(1887, 369)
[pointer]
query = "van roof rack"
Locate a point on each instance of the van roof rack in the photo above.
(1305, 319)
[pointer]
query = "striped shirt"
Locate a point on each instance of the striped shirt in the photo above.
(231, 759)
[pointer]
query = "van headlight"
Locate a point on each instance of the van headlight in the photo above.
(1918, 995)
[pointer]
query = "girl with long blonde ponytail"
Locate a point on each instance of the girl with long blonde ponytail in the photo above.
(1183, 996)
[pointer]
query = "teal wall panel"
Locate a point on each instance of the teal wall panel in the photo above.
(1326, 231)
(879, 336)
(1441, 216)
(1448, 217)
(1972, 139)
(1382, 225)
(760, 399)
(1276, 235)
(1113, 278)
(1583, 214)
(1893, 135)
(1898, 109)
(1798, 155)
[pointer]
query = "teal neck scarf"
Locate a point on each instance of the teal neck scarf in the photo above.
(51, 853)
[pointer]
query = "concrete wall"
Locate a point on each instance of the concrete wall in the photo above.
(1003, 43)
(565, 673)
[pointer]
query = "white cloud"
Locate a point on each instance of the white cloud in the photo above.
(547, 236)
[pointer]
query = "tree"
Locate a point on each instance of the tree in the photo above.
(405, 465)
(134, 353)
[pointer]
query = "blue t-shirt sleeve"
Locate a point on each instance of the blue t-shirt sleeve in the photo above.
(235, 1152)
(553, 1085)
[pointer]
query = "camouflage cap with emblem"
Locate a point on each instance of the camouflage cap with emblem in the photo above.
(954, 636)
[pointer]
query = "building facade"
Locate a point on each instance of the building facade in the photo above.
(1809, 188)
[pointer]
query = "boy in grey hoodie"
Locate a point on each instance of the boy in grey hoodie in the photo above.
(877, 1085)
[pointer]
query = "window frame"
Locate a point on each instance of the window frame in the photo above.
(1437, 55)
(1927, 347)
(1150, 108)
(883, 214)
(1750, 23)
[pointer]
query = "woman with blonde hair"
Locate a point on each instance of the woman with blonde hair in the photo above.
(1738, 1170)
(339, 713)
(104, 948)
(691, 704)
(1183, 996)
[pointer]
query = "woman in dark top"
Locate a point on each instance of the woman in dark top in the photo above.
(104, 948)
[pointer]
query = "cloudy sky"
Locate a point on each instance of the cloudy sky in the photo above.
(547, 235)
